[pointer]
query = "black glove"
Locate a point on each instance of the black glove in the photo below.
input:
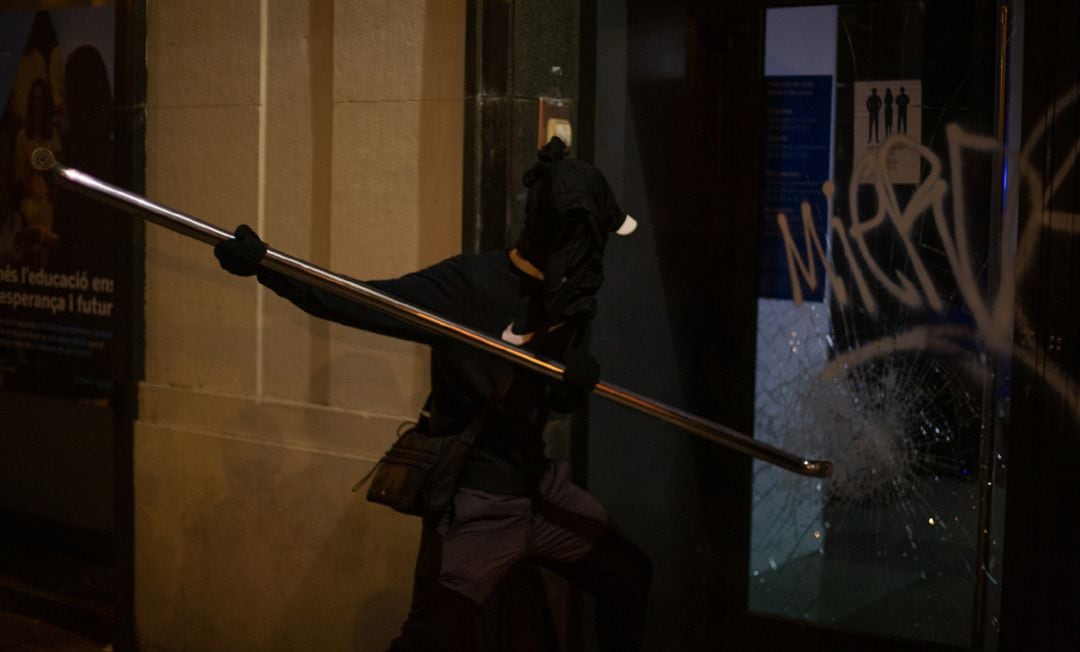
(242, 254)
(580, 375)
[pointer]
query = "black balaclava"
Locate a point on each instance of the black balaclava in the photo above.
(569, 213)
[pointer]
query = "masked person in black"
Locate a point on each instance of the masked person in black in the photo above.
(512, 502)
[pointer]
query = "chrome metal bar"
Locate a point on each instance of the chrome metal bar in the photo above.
(356, 291)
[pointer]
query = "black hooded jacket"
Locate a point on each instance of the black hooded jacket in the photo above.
(484, 292)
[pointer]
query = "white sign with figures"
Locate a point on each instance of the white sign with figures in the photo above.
(884, 109)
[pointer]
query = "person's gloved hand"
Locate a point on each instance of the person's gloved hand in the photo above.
(242, 254)
(580, 375)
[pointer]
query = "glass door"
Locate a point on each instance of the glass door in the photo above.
(883, 332)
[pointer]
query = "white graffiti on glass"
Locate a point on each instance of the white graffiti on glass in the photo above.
(994, 317)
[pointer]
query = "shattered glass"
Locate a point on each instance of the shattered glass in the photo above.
(888, 543)
(897, 375)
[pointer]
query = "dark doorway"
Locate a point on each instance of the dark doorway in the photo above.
(679, 119)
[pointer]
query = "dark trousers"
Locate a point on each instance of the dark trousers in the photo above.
(565, 530)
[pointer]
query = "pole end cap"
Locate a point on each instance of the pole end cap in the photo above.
(818, 468)
(43, 159)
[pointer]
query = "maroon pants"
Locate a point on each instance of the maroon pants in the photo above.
(463, 556)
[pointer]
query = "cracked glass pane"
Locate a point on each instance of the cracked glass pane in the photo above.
(888, 543)
(875, 349)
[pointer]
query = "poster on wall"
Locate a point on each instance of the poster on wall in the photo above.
(884, 109)
(58, 251)
(796, 163)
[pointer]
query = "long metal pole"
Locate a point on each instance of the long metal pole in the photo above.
(353, 290)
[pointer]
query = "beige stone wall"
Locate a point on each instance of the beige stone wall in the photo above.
(335, 128)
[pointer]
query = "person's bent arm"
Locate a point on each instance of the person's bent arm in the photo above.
(444, 289)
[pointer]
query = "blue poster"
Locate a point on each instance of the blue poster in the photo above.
(797, 145)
